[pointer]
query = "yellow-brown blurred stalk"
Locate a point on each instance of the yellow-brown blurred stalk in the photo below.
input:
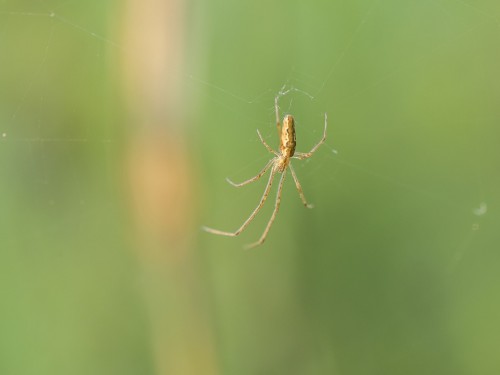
(162, 180)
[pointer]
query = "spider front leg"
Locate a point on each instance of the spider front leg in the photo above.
(277, 110)
(305, 155)
(266, 145)
(255, 178)
(273, 216)
(252, 215)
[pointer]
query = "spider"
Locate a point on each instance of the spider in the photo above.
(278, 164)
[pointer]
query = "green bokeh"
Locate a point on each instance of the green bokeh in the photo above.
(392, 272)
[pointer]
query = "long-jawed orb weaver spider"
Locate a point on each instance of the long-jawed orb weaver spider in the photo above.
(278, 164)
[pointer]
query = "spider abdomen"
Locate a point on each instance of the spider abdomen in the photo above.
(287, 137)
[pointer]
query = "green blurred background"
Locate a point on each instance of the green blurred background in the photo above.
(395, 270)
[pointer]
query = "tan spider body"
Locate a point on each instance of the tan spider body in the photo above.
(279, 163)
(288, 142)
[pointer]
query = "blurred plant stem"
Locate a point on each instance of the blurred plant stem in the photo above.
(162, 179)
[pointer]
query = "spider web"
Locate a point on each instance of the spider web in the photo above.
(309, 90)
(405, 187)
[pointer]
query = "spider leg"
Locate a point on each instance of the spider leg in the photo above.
(259, 175)
(273, 216)
(305, 155)
(277, 109)
(252, 215)
(299, 188)
(265, 144)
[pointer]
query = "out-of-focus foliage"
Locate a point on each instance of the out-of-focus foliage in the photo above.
(395, 271)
